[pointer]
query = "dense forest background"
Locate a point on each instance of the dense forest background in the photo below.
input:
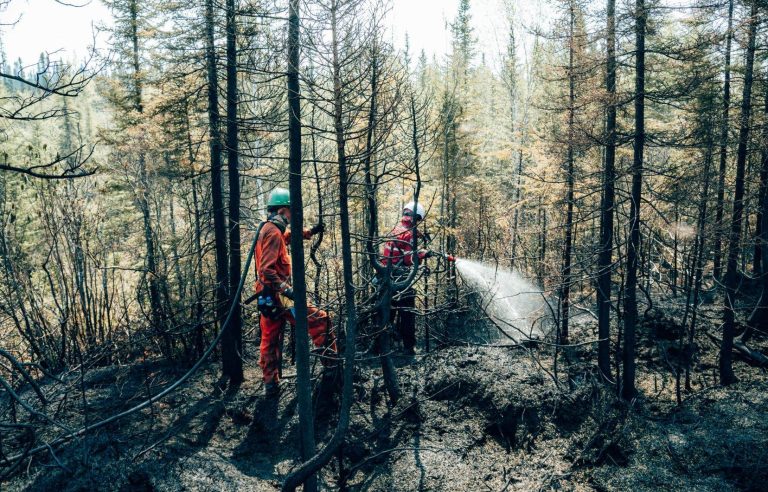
(620, 164)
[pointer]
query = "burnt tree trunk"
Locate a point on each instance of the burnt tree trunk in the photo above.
(232, 341)
(217, 195)
(698, 266)
(605, 258)
(731, 273)
(321, 458)
(760, 229)
(633, 248)
(303, 383)
(720, 206)
(759, 316)
(565, 296)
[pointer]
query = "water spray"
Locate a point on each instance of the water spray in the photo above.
(511, 302)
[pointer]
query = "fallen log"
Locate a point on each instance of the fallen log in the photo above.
(753, 357)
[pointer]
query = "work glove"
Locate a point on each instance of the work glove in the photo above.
(317, 229)
(288, 293)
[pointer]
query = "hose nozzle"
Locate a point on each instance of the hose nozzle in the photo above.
(445, 256)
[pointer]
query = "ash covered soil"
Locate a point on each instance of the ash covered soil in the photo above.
(471, 418)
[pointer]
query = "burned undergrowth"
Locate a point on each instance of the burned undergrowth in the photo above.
(471, 418)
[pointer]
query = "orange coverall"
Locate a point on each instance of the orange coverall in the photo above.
(273, 269)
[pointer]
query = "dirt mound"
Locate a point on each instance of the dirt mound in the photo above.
(511, 394)
(662, 325)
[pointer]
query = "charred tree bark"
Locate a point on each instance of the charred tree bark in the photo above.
(371, 183)
(326, 454)
(605, 258)
(720, 206)
(232, 340)
(760, 316)
(565, 296)
(542, 268)
(303, 384)
(761, 259)
(731, 274)
(217, 196)
(698, 259)
(633, 248)
(197, 310)
(383, 313)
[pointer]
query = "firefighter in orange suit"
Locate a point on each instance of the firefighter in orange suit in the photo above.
(274, 292)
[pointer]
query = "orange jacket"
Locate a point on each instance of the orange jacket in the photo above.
(273, 264)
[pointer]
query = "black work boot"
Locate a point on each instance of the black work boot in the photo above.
(328, 390)
(271, 389)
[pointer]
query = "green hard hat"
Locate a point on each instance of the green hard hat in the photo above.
(280, 197)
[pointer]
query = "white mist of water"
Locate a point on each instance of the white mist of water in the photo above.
(515, 305)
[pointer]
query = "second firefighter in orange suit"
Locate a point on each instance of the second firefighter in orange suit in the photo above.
(274, 291)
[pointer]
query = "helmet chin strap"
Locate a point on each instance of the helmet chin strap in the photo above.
(279, 220)
(413, 216)
(415, 209)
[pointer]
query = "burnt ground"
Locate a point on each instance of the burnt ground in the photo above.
(471, 418)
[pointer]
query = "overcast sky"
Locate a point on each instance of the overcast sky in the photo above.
(45, 25)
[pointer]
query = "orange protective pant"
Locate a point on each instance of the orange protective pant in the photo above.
(319, 324)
